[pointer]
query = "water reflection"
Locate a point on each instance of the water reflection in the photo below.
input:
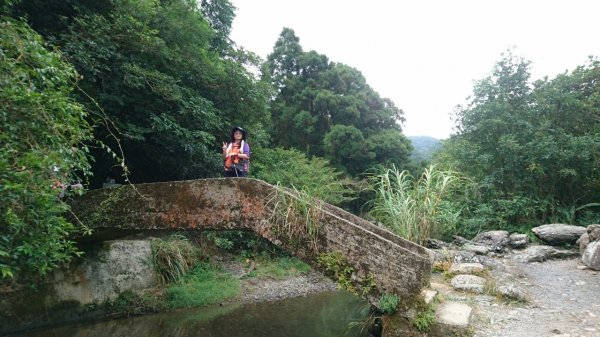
(326, 314)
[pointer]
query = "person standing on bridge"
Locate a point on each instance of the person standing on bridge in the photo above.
(236, 154)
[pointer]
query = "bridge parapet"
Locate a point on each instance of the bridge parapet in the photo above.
(376, 261)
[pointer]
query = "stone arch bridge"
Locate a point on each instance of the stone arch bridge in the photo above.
(375, 260)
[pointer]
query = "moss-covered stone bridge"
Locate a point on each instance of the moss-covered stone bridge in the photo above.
(366, 258)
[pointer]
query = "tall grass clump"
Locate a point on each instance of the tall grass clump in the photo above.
(296, 216)
(415, 209)
(173, 258)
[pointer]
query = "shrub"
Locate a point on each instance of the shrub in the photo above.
(291, 168)
(42, 132)
(388, 303)
(336, 265)
(425, 318)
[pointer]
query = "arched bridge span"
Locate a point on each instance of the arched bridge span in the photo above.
(377, 260)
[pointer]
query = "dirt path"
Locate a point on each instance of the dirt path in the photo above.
(565, 302)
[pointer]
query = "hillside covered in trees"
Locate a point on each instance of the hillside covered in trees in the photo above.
(424, 147)
(155, 86)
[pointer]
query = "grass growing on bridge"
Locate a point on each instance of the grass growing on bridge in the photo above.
(295, 215)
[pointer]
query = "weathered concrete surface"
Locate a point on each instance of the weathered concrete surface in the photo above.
(396, 265)
(119, 266)
(71, 292)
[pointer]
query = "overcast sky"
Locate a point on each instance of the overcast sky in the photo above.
(425, 55)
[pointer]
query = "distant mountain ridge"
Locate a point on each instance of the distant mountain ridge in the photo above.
(424, 147)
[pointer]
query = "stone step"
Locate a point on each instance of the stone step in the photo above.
(452, 319)
(454, 313)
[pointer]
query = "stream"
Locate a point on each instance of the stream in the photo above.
(325, 314)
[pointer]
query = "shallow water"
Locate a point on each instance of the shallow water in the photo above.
(326, 314)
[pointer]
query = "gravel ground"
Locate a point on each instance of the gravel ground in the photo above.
(269, 289)
(261, 290)
(564, 301)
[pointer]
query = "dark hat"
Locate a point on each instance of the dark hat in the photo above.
(238, 128)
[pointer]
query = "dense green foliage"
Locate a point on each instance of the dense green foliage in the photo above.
(292, 168)
(532, 150)
(42, 132)
(327, 109)
(165, 78)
